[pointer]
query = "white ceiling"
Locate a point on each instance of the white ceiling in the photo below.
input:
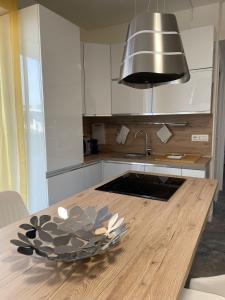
(92, 14)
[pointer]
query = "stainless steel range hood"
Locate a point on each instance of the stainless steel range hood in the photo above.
(153, 53)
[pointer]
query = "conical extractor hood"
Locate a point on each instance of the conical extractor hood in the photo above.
(153, 53)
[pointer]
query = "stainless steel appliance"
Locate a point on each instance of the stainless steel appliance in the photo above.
(90, 146)
(87, 145)
(153, 53)
(94, 146)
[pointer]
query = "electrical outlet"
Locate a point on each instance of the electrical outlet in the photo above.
(200, 138)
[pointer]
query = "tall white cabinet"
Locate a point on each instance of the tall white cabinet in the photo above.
(61, 71)
(51, 76)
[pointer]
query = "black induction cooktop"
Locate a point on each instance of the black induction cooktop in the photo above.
(144, 185)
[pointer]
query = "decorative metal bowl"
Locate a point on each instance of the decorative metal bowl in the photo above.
(73, 235)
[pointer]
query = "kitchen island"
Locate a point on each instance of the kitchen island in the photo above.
(151, 262)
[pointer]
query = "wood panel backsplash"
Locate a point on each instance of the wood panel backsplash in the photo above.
(179, 143)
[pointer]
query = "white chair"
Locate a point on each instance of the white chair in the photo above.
(12, 208)
(205, 288)
(189, 294)
(214, 285)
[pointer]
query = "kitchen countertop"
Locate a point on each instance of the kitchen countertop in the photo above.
(201, 164)
(151, 262)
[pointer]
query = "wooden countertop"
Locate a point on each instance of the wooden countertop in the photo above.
(151, 262)
(201, 164)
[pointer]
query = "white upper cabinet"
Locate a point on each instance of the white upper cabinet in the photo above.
(194, 96)
(191, 97)
(97, 73)
(105, 96)
(198, 46)
(116, 59)
(127, 100)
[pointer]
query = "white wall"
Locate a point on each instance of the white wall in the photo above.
(200, 16)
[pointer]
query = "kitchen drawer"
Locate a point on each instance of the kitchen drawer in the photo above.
(194, 173)
(111, 170)
(163, 170)
(71, 183)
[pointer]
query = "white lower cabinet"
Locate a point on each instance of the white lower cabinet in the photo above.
(65, 185)
(194, 173)
(175, 171)
(111, 170)
(92, 175)
(163, 170)
(71, 183)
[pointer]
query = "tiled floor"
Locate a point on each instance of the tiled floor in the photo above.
(210, 256)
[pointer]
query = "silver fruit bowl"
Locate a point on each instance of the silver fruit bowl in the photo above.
(74, 235)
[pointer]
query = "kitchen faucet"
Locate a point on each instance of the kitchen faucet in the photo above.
(147, 150)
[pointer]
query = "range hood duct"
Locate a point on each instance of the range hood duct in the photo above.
(153, 53)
